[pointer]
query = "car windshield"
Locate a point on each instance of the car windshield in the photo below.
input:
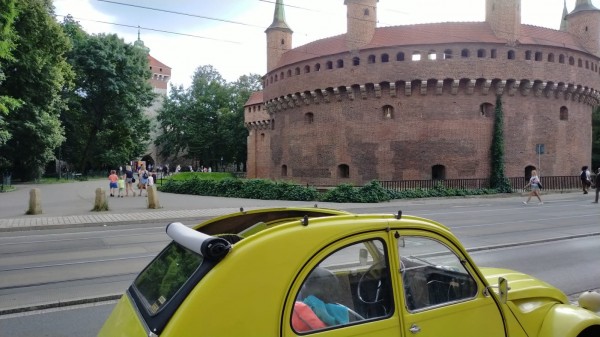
(165, 275)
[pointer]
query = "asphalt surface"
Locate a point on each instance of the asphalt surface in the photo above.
(70, 205)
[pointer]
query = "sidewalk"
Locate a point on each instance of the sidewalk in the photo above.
(70, 204)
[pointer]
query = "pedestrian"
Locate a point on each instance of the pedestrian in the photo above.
(113, 178)
(584, 176)
(151, 179)
(143, 179)
(121, 183)
(129, 180)
(534, 183)
(597, 182)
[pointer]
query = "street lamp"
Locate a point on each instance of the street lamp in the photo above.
(539, 149)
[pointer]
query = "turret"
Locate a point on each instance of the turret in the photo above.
(563, 19)
(504, 16)
(279, 37)
(584, 23)
(362, 22)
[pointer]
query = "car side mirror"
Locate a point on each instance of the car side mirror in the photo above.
(503, 289)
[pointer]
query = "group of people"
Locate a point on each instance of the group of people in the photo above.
(125, 180)
(586, 183)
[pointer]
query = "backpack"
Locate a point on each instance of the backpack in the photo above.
(583, 176)
(145, 176)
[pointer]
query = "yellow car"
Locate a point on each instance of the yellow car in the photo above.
(312, 271)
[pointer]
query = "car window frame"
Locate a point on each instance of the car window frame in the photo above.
(322, 255)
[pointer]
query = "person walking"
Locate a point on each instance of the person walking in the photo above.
(129, 181)
(143, 177)
(584, 176)
(121, 183)
(113, 178)
(597, 182)
(534, 182)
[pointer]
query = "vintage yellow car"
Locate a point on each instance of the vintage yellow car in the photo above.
(312, 271)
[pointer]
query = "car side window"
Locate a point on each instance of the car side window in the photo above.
(350, 286)
(432, 274)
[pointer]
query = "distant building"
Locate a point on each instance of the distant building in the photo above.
(161, 74)
(418, 101)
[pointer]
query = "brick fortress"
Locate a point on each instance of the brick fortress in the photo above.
(418, 101)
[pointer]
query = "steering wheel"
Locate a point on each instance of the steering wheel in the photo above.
(372, 275)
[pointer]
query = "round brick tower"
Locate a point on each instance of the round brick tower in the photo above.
(417, 101)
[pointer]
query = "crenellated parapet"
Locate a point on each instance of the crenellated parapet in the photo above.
(258, 125)
(511, 87)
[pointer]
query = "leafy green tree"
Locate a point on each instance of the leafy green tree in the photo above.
(233, 131)
(206, 122)
(8, 14)
(105, 123)
(189, 119)
(35, 76)
(498, 178)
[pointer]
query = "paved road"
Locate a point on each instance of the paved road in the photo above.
(477, 221)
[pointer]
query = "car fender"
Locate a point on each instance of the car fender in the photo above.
(565, 320)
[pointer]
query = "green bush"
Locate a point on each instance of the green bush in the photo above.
(264, 189)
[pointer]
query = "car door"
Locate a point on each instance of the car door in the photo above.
(344, 290)
(441, 293)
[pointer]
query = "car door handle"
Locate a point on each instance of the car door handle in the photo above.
(414, 329)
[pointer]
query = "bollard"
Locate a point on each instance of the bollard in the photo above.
(152, 197)
(100, 204)
(35, 202)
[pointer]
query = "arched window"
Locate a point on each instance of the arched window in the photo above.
(494, 53)
(309, 118)
(528, 170)
(447, 54)
(289, 72)
(318, 67)
(297, 71)
(276, 78)
(571, 61)
(284, 171)
(511, 55)
(355, 61)
(343, 171)
(550, 57)
(306, 69)
(388, 112)
(579, 63)
(385, 58)
(464, 53)
(329, 65)
(538, 56)
(438, 172)
(416, 56)
(486, 109)
(561, 58)
(481, 53)
(371, 59)
(340, 63)
(400, 56)
(587, 64)
(282, 75)
(564, 113)
(528, 55)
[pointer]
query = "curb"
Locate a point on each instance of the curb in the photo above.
(59, 304)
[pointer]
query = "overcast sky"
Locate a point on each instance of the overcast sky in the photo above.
(229, 34)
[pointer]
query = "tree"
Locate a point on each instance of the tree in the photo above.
(235, 134)
(498, 178)
(105, 124)
(8, 14)
(189, 119)
(35, 76)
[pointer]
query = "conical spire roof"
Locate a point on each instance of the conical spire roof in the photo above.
(279, 17)
(583, 5)
(140, 44)
(563, 21)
